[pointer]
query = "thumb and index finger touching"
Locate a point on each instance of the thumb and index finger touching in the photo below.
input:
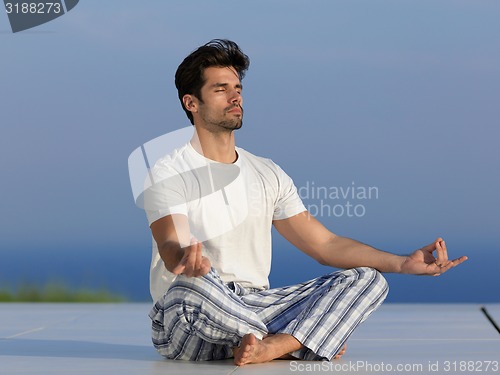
(441, 258)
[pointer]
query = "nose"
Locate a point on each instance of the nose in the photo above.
(235, 97)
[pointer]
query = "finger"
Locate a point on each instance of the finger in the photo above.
(190, 260)
(442, 253)
(198, 268)
(456, 262)
(460, 260)
(179, 268)
(205, 266)
(198, 259)
(430, 247)
(452, 263)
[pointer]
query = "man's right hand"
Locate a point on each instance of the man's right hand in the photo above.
(193, 263)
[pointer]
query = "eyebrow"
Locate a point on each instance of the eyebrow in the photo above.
(238, 86)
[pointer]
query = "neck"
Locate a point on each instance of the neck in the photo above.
(218, 146)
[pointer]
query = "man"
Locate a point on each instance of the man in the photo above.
(210, 213)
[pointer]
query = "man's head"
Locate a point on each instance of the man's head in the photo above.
(190, 75)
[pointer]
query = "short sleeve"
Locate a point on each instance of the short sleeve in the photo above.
(288, 202)
(166, 195)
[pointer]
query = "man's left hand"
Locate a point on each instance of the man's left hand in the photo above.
(423, 261)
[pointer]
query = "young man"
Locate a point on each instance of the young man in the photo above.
(211, 213)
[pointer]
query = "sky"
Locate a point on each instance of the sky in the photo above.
(396, 98)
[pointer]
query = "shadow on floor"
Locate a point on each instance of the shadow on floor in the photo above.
(76, 349)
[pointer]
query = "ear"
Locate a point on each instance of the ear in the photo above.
(190, 103)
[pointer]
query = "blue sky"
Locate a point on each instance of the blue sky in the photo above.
(397, 95)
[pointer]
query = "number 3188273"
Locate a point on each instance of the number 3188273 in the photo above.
(33, 8)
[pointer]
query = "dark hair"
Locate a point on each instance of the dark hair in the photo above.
(189, 78)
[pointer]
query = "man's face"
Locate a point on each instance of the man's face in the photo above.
(221, 106)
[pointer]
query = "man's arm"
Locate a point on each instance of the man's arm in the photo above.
(310, 236)
(180, 254)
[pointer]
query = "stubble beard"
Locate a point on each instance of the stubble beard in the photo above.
(225, 125)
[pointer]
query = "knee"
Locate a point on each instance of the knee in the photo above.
(184, 289)
(373, 278)
(182, 304)
(192, 290)
(188, 283)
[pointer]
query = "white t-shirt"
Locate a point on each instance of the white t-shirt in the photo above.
(230, 209)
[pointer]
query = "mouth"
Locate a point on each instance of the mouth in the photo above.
(235, 110)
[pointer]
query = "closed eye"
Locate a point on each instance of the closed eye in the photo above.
(220, 87)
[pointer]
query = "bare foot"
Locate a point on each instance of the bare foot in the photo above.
(253, 350)
(249, 351)
(341, 352)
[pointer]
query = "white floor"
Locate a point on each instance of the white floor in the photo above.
(95, 339)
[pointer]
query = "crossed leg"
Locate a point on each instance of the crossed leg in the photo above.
(320, 313)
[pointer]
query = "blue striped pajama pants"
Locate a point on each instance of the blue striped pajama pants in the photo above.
(202, 318)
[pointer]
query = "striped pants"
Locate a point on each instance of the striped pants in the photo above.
(202, 318)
